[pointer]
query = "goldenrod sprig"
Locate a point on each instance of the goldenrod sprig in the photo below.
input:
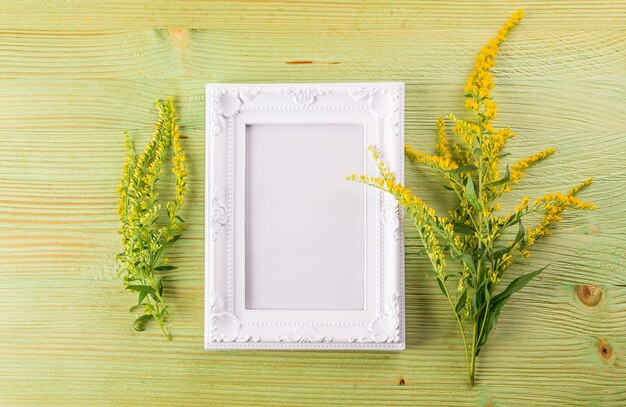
(475, 235)
(144, 238)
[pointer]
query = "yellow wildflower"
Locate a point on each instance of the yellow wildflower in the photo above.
(442, 147)
(554, 205)
(474, 233)
(493, 277)
(434, 250)
(139, 209)
(462, 156)
(434, 161)
(574, 191)
(490, 109)
(491, 146)
(517, 170)
(384, 170)
(471, 104)
(480, 82)
(523, 205)
(506, 261)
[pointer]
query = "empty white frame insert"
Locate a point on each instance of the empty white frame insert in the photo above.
(296, 256)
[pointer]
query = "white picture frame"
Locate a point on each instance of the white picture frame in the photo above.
(297, 257)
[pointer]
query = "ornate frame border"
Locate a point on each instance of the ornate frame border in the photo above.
(224, 328)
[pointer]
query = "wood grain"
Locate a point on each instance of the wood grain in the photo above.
(74, 75)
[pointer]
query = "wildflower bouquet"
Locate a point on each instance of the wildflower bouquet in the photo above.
(474, 235)
(144, 234)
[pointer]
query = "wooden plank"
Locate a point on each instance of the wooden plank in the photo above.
(95, 337)
(429, 55)
(74, 75)
(303, 16)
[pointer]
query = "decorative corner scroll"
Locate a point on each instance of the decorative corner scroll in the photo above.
(219, 214)
(304, 334)
(226, 327)
(385, 328)
(375, 97)
(383, 102)
(304, 96)
(227, 102)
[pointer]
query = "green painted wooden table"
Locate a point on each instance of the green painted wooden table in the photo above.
(75, 74)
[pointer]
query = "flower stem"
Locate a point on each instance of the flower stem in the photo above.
(456, 316)
(472, 363)
(159, 321)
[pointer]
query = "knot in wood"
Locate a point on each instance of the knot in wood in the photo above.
(179, 35)
(605, 350)
(589, 295)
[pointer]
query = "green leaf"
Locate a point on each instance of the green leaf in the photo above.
(469, 262)
(160, 286)
(463, 228)
(479, 299)
(448, 187)
(175, 238)
(460, 304)
(499, 248)
(483, 265)
(465, 168)
(141, 288)
(470, 194)
(134, 307)
(142, 296)
(442, 287)
(165, 268)
(501, 156)
(477, 302)
(497, 302)
(521, 232)
(180, 219)
(154, 297)
(487, 293)
(503, 180)
(492, 318)
(139, 322)
(516, 285)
